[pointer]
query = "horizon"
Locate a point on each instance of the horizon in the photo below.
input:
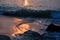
(36, 4)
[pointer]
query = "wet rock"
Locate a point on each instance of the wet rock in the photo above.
(29, 35)
(3, 37)
(53, 28)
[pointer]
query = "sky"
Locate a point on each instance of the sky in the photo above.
(37, 4)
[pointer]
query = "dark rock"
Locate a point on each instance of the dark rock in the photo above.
(3, 37)
(53, 28)
(30, 35)
(33, 35)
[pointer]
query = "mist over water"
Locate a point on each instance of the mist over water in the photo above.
(8, 25)
(36, 24)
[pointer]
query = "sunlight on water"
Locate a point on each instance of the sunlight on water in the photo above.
(9, 25)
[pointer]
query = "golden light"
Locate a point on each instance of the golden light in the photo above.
(21, 29)
(24, 27)
(26, 3)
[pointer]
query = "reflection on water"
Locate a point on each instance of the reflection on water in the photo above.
(8, 26)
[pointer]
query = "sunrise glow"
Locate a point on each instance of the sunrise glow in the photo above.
(26, 3)
(21, 29)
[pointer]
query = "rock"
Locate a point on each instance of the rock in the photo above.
(53, 28)
(3, 37)
(30, 35)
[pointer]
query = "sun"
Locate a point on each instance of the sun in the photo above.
(26, 3)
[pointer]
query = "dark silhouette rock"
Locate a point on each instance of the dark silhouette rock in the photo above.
(3, 37)
(53, 28)
(33, 35)
(30, 35)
